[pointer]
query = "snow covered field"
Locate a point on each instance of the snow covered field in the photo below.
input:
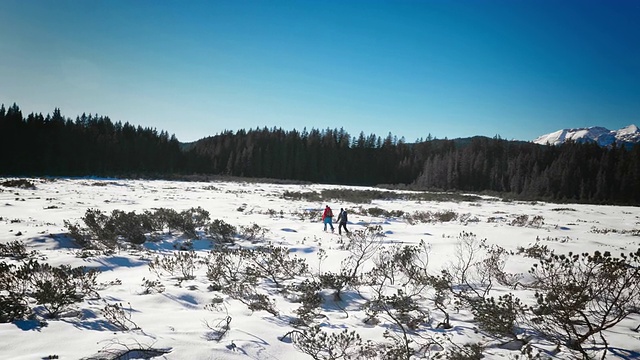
(186, 317)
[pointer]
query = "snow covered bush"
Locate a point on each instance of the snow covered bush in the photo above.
(108, 231)
(130, 226)
(188, 221)
(307, 293)
(55, 288)
(13, 300)
(192, 220)
(15, 250)
(97, 233)
(498, 316)
(221, 231)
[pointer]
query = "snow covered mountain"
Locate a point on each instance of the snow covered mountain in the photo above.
(627, 136)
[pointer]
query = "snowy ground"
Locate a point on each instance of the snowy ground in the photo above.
(176, 318)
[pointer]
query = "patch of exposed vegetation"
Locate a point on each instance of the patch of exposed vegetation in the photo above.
(633, 232)
(19, 183)
(312, 196)
(367, 196)
(110, 231)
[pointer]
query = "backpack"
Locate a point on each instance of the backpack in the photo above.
(329, 212)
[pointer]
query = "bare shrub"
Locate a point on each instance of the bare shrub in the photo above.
(15, 250)
(520, 220)
(275, 214)
(218, 329)
(248, 294)
(419, 217)
(103, 231)
(537, 221)
(253, 232)
(398, 282)
(464, 352)
(405, 266)
(120, 317)
(523, 220)
(580, 296)
(442, 297)
(150, 286)
(468, 218)
(310, 215)
(227, 269)
(237, 273)
(470, 277)
(182, 264)
(56, 288)
(274, 263)
(468, 272)
(118, 350)
(323, 346)
(12, 307)
(227, 266)
(362, 246)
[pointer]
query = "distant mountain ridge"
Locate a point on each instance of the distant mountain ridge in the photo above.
(627, 136)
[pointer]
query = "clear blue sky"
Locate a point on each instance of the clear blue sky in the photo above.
(451, 68)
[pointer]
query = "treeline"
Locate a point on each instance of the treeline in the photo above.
(325, 156)
(570, 172)
(90, 145)
(94, 145)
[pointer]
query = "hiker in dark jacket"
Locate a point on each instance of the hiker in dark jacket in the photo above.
(342, 221)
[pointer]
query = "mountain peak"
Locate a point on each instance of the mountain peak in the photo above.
(631, 129)
(627, 136)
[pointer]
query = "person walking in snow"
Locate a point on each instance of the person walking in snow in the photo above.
(327, 218)
(342, 221)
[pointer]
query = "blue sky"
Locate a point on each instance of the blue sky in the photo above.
(451, 68)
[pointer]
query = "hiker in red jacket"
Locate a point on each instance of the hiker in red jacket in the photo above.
(327, 218)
